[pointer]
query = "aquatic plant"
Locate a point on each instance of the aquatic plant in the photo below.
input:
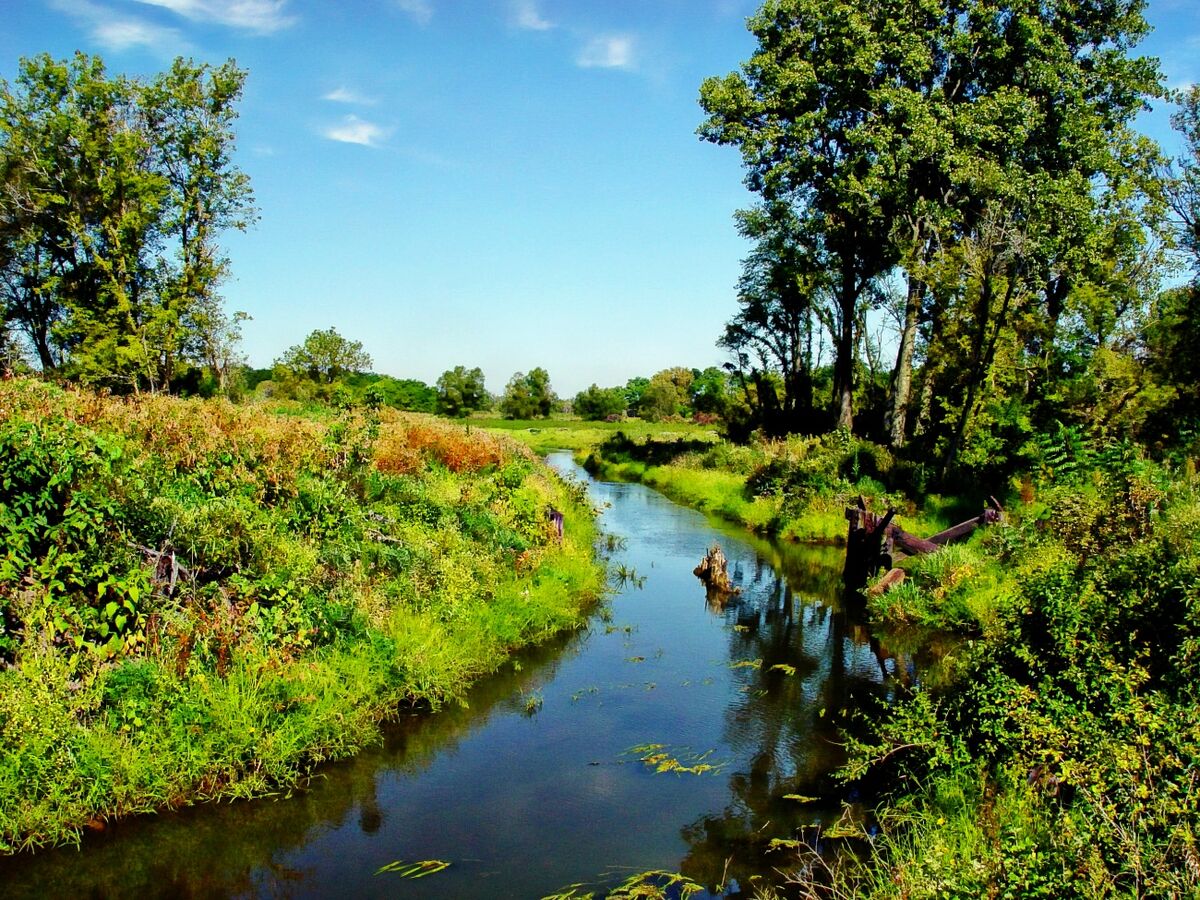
(660, 759)
(419, 869)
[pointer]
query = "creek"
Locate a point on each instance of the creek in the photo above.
(550, 778)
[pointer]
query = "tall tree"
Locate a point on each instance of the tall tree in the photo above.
(189, 113)
(897, 130)
(801, 112)
(325, 356)
(596, 403)
(783, 282)
(1046, 196)
(1184, 186)
(528, 396)
(114, 193)
(461, 391)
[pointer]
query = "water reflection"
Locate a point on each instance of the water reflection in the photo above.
(256, 848)
(820, 662)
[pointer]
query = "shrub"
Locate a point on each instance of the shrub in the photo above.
(177, 577)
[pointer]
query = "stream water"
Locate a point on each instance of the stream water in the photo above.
(541, 784)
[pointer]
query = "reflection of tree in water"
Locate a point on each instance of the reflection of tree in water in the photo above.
(241, 848)
(819, 661)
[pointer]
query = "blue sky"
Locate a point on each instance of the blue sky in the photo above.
(493, 183)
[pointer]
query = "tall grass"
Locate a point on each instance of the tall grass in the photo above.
(796, 489)
(199, 600)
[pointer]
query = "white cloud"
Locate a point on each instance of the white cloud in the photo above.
(118, 32)
(526, 16)
(614, 51)
(121, 34)
(354, 130)
(262, 16)
(421, 11)
(346, 95)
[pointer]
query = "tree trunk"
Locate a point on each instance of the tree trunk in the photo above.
(901, 384)
(843, 364)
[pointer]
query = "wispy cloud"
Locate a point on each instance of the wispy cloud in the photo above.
(346, 95)
(527, 16)
(421, 11)
(262, 16)
(354, 130)
(614, 51)
(117, 32)
(121, 34)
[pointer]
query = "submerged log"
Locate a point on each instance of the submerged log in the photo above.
(714, 572)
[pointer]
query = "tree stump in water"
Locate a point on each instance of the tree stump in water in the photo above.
(714, 572)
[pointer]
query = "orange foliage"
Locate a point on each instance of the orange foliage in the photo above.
(237, 444)
(407, 448)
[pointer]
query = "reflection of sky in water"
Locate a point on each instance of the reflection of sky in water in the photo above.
(525, 805)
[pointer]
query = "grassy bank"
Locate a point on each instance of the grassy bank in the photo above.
(565, 433)
(1060, 756)
(795, 489)
(199, 600)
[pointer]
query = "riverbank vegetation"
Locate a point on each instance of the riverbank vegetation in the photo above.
(1019, 231)
(1061, 758)
(200, 600)
(966, 278)
(795, 488)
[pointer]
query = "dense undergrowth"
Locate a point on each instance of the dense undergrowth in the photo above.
(796, 488)
(1061, 758)
(1064, 757)
(199, 600)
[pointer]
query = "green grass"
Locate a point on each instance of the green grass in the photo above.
(563, 433)
(718, 480)
(718, 493)
(327, 573)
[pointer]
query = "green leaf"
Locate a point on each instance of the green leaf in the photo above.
(414, 869)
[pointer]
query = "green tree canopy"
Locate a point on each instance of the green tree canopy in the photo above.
(709, 391)
(1184, 189)
(115, 193)
(667, 395)
(528, 396)
(325, 356)
(596, 403)
(984, 148)
(460, 391)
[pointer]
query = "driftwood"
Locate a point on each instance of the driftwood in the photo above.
(873, 541)
(714, 572)
(894, 578)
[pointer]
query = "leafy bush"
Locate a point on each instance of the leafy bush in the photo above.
(1080, 708)
(200, 600)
